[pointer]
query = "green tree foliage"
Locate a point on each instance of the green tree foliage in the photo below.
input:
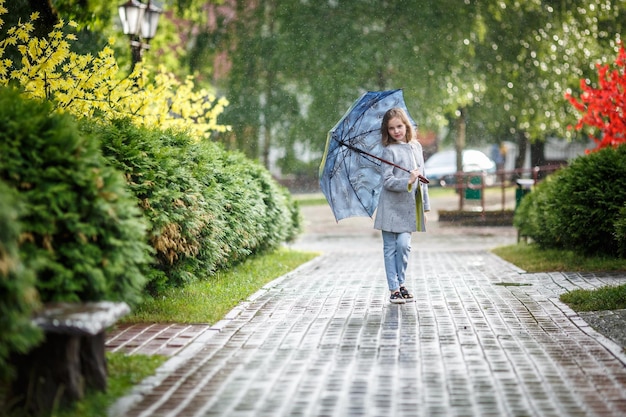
(533, 54)
(504, 64)
(580, 207)
(500, 67)
(99, 20)
(81, 232)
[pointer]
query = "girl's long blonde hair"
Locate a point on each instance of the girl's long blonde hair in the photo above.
(384, 127)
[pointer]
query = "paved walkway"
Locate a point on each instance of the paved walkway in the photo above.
(483, 338)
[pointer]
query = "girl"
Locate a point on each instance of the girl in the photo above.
(403, 200)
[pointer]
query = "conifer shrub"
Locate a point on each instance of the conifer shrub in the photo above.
(18, 297)
(531, 216)
(158, 167)
(81, 230)
(263, 213)
(208, 208)
(580, 207)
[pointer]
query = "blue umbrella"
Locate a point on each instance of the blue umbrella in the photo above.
(350, 171)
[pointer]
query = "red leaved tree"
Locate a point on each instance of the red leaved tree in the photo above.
(604, 108)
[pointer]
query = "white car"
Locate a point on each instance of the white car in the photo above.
(441, 167)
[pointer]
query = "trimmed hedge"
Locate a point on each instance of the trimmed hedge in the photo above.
(81, 231)
(208, 208)
(581, 207)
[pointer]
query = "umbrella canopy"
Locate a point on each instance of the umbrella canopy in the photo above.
(350, 171)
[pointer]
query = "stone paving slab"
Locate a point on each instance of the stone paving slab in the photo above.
(153, 338)
(481, 339)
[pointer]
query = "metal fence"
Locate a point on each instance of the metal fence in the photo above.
(472, 186)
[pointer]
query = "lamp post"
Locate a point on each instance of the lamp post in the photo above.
(139, 22)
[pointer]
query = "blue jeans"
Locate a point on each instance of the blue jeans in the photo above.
(396, 248)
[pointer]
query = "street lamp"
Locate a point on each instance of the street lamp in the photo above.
(139, 22)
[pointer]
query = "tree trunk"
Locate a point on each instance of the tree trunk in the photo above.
(537, 154)
(522, 143)
(460, 138)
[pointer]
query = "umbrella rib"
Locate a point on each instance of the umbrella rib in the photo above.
(362, 152)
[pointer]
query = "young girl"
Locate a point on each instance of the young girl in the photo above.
(403, 200)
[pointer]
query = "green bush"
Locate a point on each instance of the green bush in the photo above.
(18, 298)
(81, 231)
(536, 213)
(157, 169)
(208, 208)
(580, 207)
(260, 213)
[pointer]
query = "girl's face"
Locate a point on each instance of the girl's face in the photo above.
(396, 129)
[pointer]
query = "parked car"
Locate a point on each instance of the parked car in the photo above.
(441, 167)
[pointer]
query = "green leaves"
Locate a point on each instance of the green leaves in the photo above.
(208, 208)
(82, 232)
(580, 207)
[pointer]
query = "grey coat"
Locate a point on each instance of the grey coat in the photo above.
(396, 205)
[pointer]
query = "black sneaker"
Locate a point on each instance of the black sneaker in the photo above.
(406, 294)
(397, 298)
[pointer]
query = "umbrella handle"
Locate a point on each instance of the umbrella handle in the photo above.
(419, 177)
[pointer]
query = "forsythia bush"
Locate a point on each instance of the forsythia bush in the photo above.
(89, 86)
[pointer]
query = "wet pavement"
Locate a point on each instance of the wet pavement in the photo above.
(483, 338)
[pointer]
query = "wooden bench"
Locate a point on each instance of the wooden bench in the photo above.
(71, 358)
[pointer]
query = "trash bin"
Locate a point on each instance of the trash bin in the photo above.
(473, 189)
(523, 187)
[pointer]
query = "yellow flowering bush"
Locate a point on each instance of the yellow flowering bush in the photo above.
(93, 86)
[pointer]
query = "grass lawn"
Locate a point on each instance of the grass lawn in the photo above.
(209, 300)
(531, 258)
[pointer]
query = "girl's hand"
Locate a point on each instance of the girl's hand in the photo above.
(415, 174)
